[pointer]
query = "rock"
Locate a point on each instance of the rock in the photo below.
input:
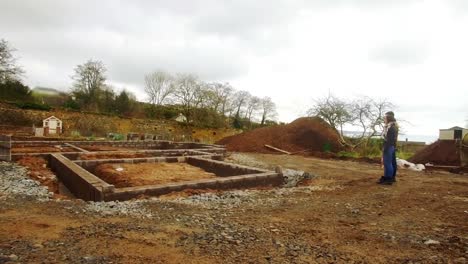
(13, 257)
(431, 242)
(89, 258)
(38, 245)
(293, 177)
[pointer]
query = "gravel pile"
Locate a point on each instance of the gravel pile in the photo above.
(230, 199)
(247, 160)
(293, 177)
(126, 208)
(14, 180)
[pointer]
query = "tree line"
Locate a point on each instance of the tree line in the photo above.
(191, 93)
(212, 104)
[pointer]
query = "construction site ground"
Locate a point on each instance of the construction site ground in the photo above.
(340, 216)
(131, 175)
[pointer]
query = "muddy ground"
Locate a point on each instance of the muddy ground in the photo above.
(340, 216)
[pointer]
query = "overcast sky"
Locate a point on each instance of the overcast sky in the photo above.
(411, 52)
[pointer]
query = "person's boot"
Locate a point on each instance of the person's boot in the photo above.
(385, 181)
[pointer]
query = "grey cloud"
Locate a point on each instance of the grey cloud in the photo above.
(399, 54)
(131, 40)
(135, 37)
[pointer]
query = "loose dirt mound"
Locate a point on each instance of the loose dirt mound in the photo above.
(441, 152)
(307, 133)
(39, 171)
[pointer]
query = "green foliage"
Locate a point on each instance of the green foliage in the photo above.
(34, 106)
(15, 91)
(71, 104)
(404, 155)
(237, 123)
(123, 103)
(106, 101)
(348, 154)
(162, 111)
(207, 118)
(327, 147)
(373, 148)
(75, 134)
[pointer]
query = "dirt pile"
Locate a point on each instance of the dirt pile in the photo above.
(39, 171)
(306, 133)
(441, 152)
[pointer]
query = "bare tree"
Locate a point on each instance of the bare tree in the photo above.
(253, 104)
(89, 81)
(268, 109)
(377, 113)
(334, 111)
(218, 96)
(188, 93)
(9, 70)
(240, 100)
(365, 113)
(159, 86)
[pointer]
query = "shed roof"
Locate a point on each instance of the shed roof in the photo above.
(52, 118)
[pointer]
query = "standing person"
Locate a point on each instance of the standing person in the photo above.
(390, 135)
(395, 166)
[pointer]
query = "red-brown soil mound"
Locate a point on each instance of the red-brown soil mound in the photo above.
(306, 133)
(441, 152)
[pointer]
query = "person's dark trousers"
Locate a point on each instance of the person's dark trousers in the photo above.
(395, 167)
(388, 153)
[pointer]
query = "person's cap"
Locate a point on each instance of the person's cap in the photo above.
(390, 113)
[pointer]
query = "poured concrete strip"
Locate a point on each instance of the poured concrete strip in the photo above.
(77, 148)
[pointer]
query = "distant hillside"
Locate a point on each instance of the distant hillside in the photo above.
(98, 125)
(47, 91)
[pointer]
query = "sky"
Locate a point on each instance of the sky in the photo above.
(413, 53)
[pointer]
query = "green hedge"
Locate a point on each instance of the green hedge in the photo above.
(34, 106)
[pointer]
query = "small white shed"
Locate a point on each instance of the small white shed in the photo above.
(52, 125)
(452, 133)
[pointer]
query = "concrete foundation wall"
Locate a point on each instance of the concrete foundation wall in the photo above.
(244, 181)
(77, 174)
(80, 182)
(157, 144)
(218, 153)
(221, 168)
